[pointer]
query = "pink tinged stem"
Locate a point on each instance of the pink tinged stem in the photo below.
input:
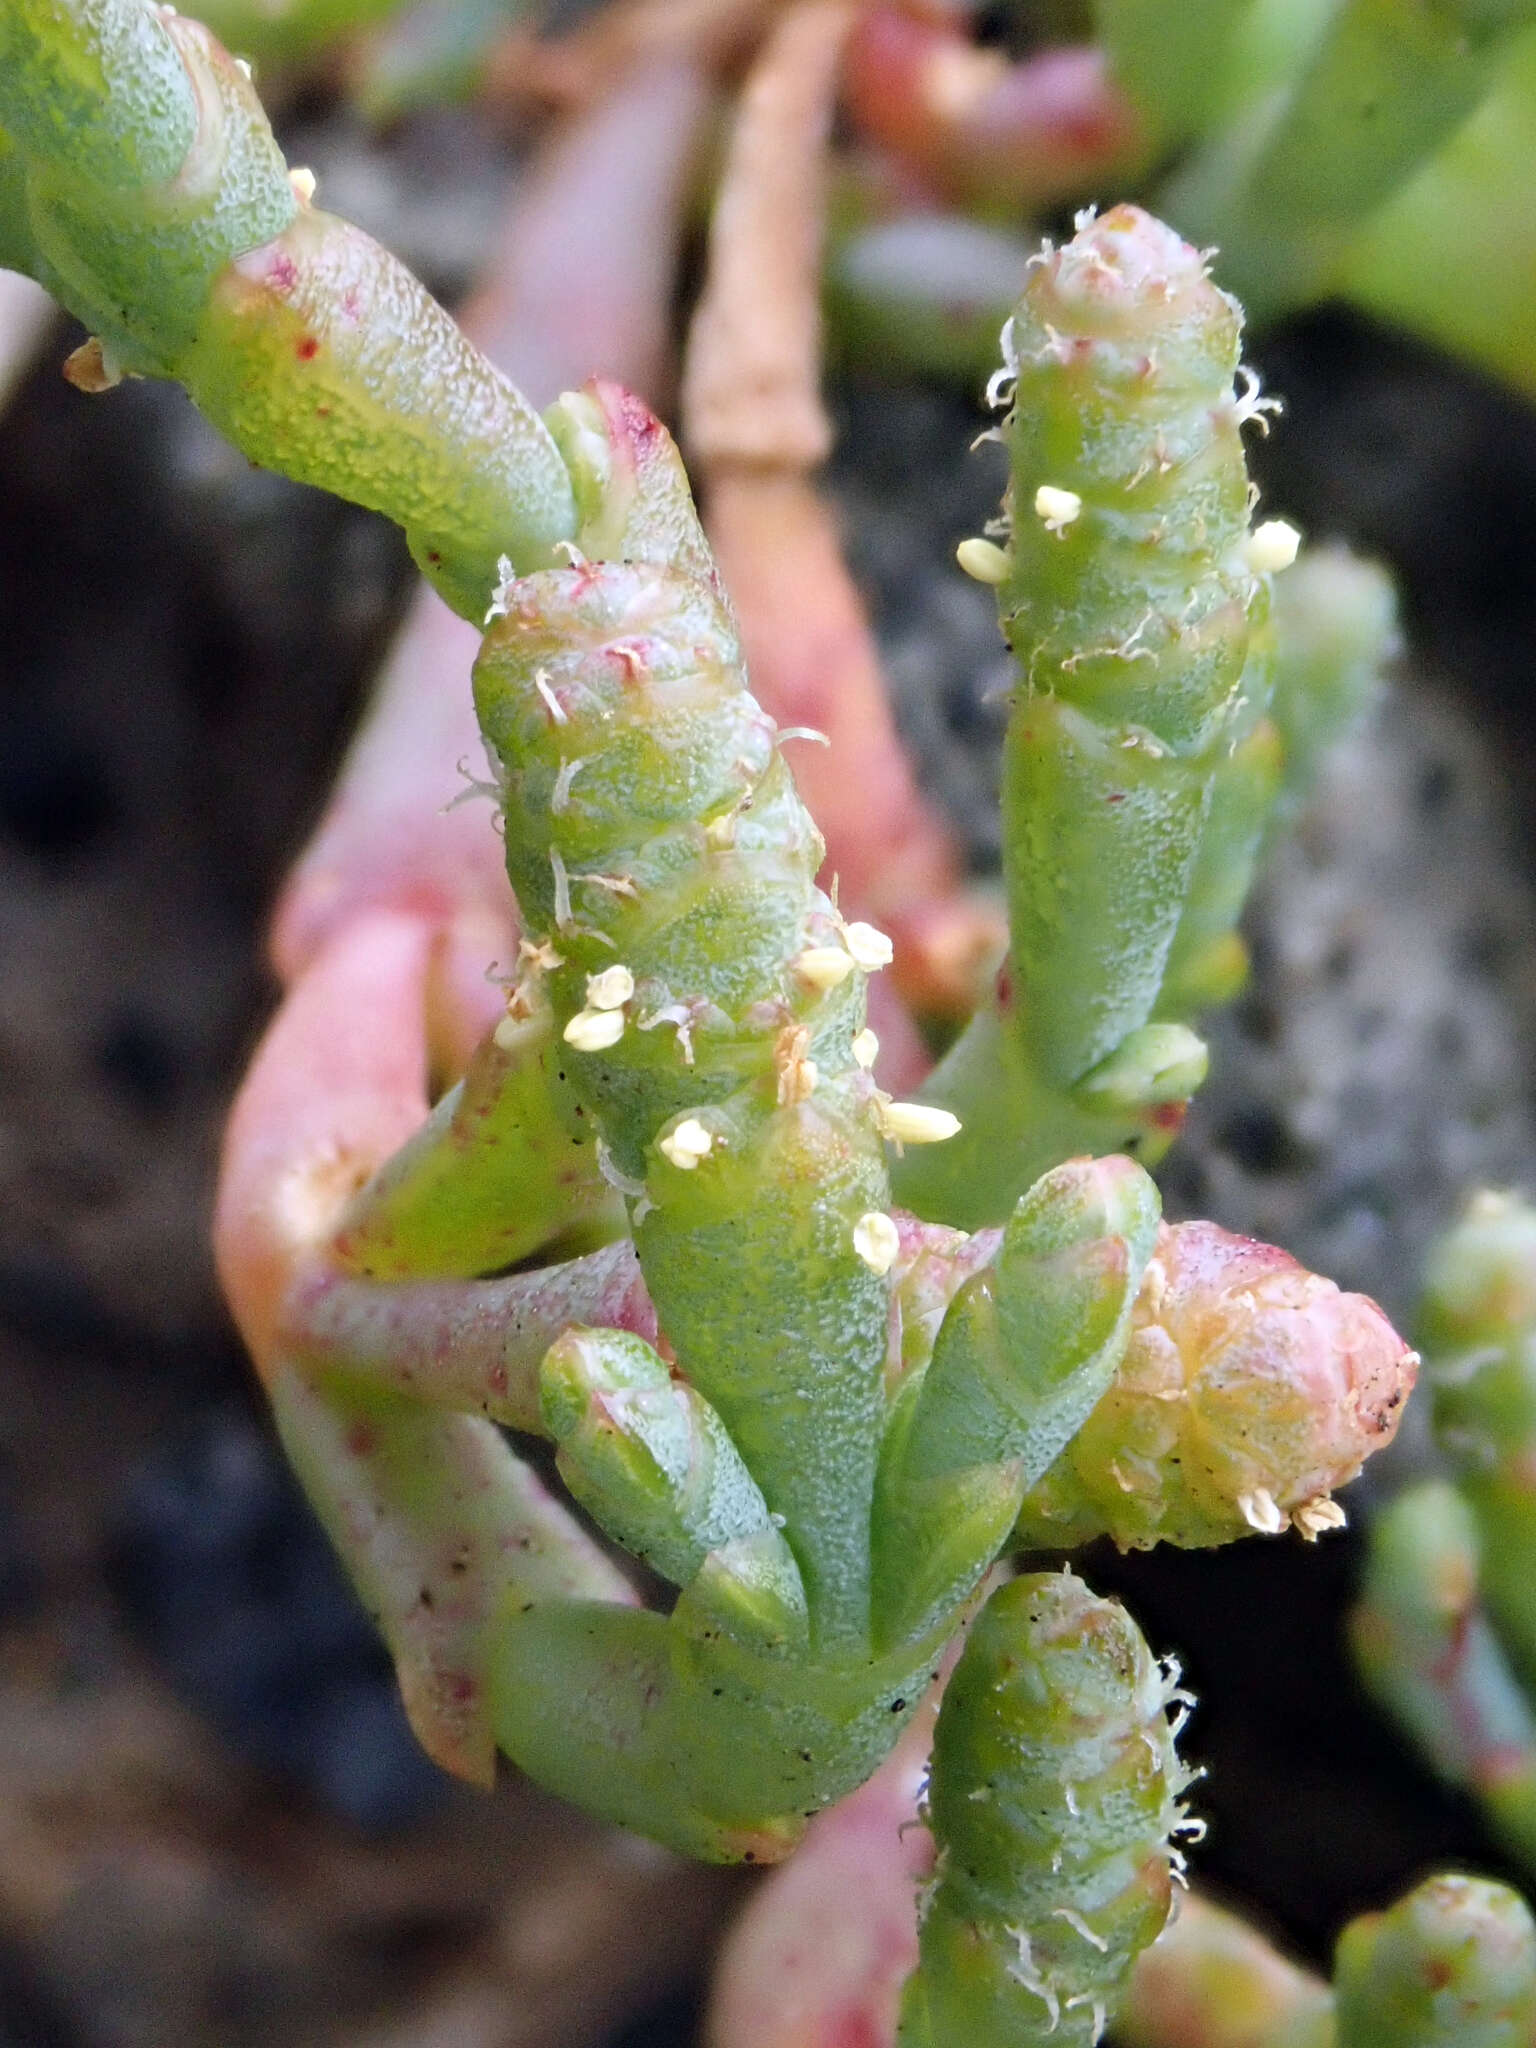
(337, 1083)
(443, 1529)
(475, 1345)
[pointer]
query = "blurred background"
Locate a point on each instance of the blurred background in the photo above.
(215, 1829)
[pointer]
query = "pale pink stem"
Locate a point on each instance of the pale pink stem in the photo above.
(338, 1082)
(474, 1345)
(26, 315)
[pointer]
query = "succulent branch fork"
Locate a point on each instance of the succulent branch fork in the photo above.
(654, 1221)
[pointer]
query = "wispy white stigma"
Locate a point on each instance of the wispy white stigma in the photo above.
(983, 560)
(503, 583)
(917, 1123)
(823, 967)
(594, 1030)
(1260, 1511)
(876, 1241)
(552, 704)
(865, 1049)
(1057, 508)
(686, 1144)
(870, 948)
(611, 989)
(1271, 547)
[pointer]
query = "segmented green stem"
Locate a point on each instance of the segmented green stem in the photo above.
(145, 190)
(1137, 772)
(1054, 1801)
(1453, 1965)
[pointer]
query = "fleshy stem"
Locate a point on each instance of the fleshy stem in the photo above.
(1445, 1632)
(1139, 764)
(146, 192)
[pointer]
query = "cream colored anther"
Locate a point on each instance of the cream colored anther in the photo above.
(877, 1241)
(983, 560)
(1057, 508)
(611, 989)
(823, 967)
(871, 949)
(917, 1123)
(686, 1144)
(1271, 547)
(594, 1030)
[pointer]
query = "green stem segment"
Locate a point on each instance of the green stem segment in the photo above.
(1138, 767)
(144, 189)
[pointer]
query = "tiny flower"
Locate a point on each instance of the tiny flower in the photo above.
(611, 989)
(1249, 1390)
(1057, 507)
(594, 1030)
(686, 1144)
(823, 967)
(876, 1241)
(505, 578)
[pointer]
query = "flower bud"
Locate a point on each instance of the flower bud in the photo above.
(1249, 1389)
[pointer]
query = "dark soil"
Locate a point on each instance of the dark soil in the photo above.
(214, 1828)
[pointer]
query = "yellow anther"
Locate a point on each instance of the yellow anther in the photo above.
(720, 832)
(686, 1144)
(1271, 547)
(1057, 507)
(865, 1049)
(611, 989)
(594, 1030)
(983, 560)
(870, 948)
(876, 1240)
(822, 967)
(303, 184)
